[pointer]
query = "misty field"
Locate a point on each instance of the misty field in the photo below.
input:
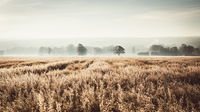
(117, 84)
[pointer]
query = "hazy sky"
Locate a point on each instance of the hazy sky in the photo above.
(22, 19)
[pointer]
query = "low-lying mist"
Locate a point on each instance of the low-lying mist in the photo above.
(101, 47)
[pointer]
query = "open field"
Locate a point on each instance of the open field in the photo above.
(100, 84)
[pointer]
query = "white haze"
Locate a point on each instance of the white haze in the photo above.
(58, 23)
(72, 19)
(31, 47)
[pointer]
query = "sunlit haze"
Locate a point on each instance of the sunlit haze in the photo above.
(53, 19)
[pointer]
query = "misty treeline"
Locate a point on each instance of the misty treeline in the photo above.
(183, 50)
(80, 49)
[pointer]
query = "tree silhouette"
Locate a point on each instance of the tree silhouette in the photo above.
(133, 50)
(1, 52)
(119, 50)
(45, 50)
(97, 50)
(49, 50)
(82, 50)
(174, 51)
(156, 48)
(186, 50)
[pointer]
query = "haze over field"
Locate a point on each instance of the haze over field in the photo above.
(98, 23)
(99, 46)
(100, 42)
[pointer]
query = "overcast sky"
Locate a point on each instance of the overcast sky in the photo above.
(22, 19)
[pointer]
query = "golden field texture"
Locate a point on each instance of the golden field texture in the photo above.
(118, 84)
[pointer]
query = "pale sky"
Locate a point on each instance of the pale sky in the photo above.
(44, 19)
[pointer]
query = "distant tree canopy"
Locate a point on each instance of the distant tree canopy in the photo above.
(133, 49)
(159, 50)
(165, 51)
(174, 51)
(108, 49)
(156, 48)
(184, 50)
(82, 50)
(45, 50)
(98, 50)
(1, 52)
(119, 50)
(58, 51)
(71, 49)
(49, 50)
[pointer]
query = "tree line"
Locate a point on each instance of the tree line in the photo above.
(183, 50)
(81, 50)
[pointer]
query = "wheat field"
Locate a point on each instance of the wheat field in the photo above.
(97, 84)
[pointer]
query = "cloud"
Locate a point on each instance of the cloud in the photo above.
(97, 18)
(161, 15)
(4, 2)
(156, 15)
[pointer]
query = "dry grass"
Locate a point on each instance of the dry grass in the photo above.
(100, 84)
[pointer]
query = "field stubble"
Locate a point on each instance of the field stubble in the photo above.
(100, 84)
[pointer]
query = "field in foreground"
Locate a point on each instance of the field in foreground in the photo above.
(100, 84)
